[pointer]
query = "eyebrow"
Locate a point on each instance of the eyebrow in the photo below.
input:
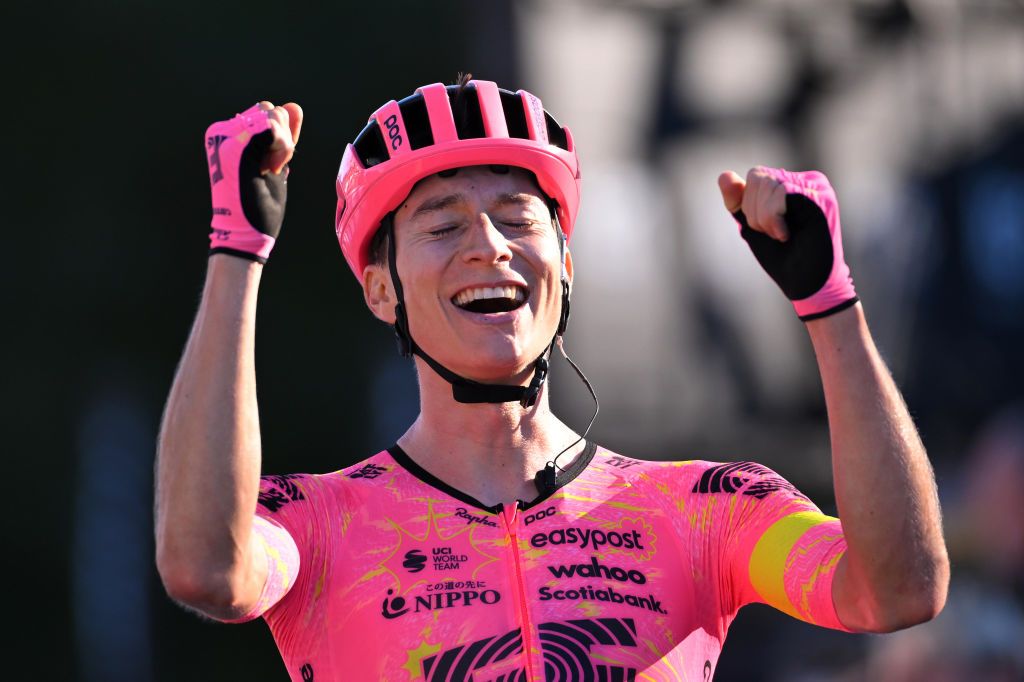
(438, 204)
(518, 198)
(449, 200)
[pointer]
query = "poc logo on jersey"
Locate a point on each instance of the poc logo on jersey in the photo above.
(542, 514)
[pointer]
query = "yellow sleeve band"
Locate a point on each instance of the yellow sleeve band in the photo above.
(768, 560)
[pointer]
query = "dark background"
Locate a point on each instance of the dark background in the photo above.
(108, 202)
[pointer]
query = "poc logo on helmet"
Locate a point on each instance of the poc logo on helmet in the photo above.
(543, 514)
(391, 123)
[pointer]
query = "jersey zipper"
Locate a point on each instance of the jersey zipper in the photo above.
(511, 525)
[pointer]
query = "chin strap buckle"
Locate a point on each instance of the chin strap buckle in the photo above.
(540, 374)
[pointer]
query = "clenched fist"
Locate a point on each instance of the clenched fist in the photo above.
(790, 220)
(248, 157)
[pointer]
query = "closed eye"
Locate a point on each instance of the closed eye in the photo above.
(441, 231)
(519, 224)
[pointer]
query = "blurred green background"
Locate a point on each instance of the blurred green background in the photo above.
(912, 108)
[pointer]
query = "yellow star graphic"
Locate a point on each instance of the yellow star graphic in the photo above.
(415, 660)
(431, 536)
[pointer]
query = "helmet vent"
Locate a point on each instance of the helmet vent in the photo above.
(417, 121)
(469, 122)
(370, 146)
(556, 135)
(515, 114)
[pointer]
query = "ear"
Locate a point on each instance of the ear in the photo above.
(568, 265)
(378, 292)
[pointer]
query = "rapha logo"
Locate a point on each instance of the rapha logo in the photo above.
(462, 513)
(415, 561)
(213, 143)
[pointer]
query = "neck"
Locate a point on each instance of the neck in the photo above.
(491, 451)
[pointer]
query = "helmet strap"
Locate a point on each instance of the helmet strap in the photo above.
(563, 320)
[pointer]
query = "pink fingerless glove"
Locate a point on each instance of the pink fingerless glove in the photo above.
(248, 206)
(809, 266)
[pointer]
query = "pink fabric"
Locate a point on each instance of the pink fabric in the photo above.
(366, 195)
(439, 110)
(282, 566)
(491, 110)
(811, 563)
(225, 141)
(392, 128)
(838, 288)
(632, 569)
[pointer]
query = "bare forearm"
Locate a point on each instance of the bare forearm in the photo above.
(895, 571)
(208, 462)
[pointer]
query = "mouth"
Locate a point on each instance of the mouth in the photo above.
(485, 300)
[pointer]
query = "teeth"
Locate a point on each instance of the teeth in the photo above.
(513, 292)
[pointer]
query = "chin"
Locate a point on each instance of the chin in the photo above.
(502, 362)
(496, 368)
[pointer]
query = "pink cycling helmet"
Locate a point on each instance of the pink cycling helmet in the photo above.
(409, 140)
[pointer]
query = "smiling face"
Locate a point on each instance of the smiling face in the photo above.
(481, 271)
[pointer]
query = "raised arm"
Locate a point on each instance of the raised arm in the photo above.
(895, 572)
(208, 459)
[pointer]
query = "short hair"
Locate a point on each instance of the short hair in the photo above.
(379, 243)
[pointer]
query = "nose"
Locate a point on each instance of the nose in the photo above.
(485, 243)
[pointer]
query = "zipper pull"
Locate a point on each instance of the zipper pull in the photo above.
(510, 519)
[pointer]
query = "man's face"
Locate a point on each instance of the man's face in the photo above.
(480, 266)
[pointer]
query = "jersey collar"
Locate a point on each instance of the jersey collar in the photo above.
(565, 477)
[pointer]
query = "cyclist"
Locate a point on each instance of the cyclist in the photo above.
(492, 541)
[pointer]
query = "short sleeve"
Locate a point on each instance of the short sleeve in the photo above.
(778, 548)
(283, 562)
(289, 524)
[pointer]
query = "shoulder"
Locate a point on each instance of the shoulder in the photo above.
(636, 471)
(693, 475)
(280, 490)
(370, 469)
(745, 478)
(638, 468)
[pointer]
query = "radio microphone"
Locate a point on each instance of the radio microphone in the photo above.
(546, 479)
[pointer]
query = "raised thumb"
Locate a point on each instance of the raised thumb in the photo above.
(731, 185)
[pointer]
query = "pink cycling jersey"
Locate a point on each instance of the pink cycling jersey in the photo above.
(629, 570)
